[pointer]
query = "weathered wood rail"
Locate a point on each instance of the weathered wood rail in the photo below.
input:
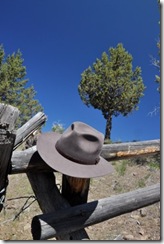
(75, 218)
(24, 161)
(28, 128)
(66, 213)
(128, 150)
(50, 200)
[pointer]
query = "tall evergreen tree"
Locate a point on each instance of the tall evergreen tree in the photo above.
(111, 85)
(13, 86)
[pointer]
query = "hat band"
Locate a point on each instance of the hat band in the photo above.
(76, 160)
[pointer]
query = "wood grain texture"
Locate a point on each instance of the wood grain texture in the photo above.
(20, 160)
(75, 190)
(8, 117)
(50, 199)
(81, 216)
(29, 127)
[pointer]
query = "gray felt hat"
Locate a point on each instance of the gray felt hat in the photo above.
(76, 152)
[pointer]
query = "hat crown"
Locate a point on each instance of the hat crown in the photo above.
(81, 143)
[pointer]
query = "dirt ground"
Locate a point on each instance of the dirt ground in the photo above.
(142, 224)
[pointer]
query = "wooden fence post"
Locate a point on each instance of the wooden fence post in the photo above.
(75, 190)
(50, 199)
(81, 216)
(8, 116)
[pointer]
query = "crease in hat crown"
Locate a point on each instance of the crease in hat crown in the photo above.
(81, 144)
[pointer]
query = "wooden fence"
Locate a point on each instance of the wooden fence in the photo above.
(66, 214)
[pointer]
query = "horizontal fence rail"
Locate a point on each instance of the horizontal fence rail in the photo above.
(75, 218)
(24, 161)
(127, 150)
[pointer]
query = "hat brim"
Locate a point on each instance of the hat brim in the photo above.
(48, 152)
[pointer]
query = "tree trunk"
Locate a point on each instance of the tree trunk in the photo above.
(108, 127)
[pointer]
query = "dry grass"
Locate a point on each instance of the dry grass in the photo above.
(131, 226)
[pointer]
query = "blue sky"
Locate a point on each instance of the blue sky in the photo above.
(59, 39)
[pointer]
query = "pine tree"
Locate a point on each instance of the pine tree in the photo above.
(111, 85)
(13, 86)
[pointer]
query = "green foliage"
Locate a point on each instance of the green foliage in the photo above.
(157, 65)
(154, 165)
(111, 85)
(155, 61)
(121, 167)
(141, 183)
(107, 141)
(57, 127)
(152, 161)
(13, 86)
